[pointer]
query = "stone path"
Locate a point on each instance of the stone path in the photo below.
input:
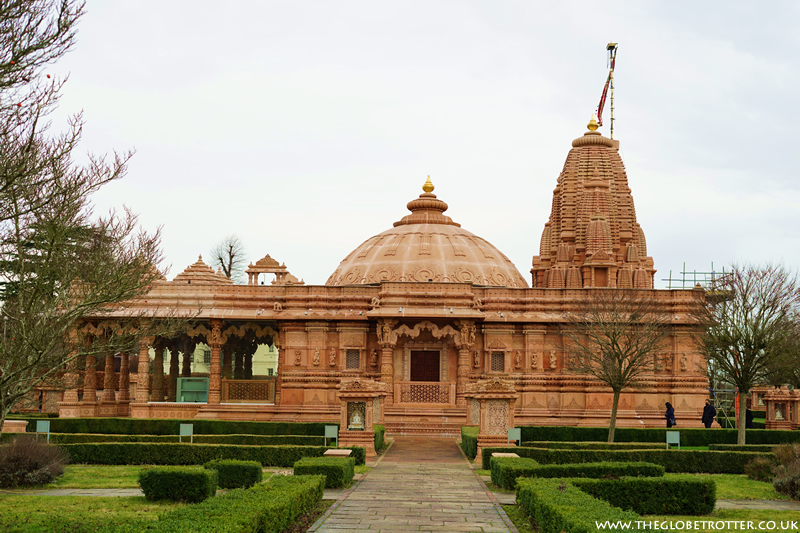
(421, 484)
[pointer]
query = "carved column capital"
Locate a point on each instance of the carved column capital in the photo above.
(387, 336)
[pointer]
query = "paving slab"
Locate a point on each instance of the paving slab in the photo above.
(420, 484)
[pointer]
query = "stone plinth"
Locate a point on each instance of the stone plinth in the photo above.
(782, 408)
(357, 397)
(496, 399)
(15, 426)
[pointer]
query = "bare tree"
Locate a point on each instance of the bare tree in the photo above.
(229, 255)
(749, 328)
(614, 337)
(58, 262)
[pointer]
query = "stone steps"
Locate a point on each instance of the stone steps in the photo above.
(436, 421)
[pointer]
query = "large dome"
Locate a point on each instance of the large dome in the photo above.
(427, 246)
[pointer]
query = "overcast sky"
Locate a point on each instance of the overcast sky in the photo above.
(305, 127)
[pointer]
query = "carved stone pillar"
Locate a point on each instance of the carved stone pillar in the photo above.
(124, 378)
(108, 379)
(90, 380)
(173, 372)
(387, 339)
(71, 380)
(186, 370)
(248, 365)
(157, 394)
(464, 342)
(215, 379)
(227, 361)
(143, 385)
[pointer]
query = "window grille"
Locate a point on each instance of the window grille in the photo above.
(498, 361)
(353, 359)
(207, 356)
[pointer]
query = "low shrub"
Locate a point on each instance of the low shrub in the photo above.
(652, 495)
(559, 445)
(24, 461)
(689, 436)
(245, 440)
(129, 453)
(506, 470)
(741, 448)
(693, 461)
(759, 469)
(338, 471)
(558, 506)
(787, 453)
(234, 474)
(160, 426)
(786, 479)
(178, 483)
(380, 432)
(270, 507)
(469, 441)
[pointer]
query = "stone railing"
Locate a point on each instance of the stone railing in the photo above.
(248, 391)
(425, 392)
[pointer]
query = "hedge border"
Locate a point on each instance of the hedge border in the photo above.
(338, 471)
(689, 436)
(693, 461)
(654, 496)
(506, 470)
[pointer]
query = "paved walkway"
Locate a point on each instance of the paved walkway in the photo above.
(421, 484)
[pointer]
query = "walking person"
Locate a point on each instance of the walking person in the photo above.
(670, 416)
(709, 414)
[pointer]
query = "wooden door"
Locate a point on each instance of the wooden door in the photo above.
(424, 366)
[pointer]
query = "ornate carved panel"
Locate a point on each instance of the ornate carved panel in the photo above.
(474, 411)
(418, 392)
(497, 417)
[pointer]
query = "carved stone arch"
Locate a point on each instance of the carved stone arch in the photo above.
(199, 330)
(435, 330)
(258, 330)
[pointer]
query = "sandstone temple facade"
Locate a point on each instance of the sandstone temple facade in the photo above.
(425, 307)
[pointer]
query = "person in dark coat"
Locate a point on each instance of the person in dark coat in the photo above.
(670, 416)
(748, 417)
(709, 414)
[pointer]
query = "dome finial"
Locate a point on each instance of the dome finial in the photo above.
(593, 125)
(428, 187)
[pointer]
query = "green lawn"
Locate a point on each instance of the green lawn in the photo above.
(75, 514)
(736, 487)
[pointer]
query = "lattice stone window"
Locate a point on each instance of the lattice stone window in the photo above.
(498, 362)
(353, 359)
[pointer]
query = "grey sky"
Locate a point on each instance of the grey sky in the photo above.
(305, 127)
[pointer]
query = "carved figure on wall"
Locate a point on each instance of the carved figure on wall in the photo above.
(684, 362)
(477, 303)
(476, 359)
(316, 357)
(297, 357)
(668, 361)
(373, 360)
(534, 359)
(277, 307)
(553, 359)
(376, 302)
(332, 357)
(518, 360)
(216, 334)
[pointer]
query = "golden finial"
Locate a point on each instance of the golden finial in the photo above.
(593, 125)
(428, 187)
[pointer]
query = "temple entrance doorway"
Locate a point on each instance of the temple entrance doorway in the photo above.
(424, 365)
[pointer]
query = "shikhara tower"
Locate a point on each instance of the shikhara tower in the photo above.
(592, 238)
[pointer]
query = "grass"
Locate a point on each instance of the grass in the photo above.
(519, 518)
(362, 469)
(304, 522)
(75, 514)
(736, 487)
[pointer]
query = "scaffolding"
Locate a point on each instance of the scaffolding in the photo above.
(690, 279)
(724, 401)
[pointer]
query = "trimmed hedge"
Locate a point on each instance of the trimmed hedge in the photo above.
(506, 470)
(269, 507)
(234, 474)
(559, 445)
(246, 440)
(744, 448)
(125, 453)
(689, 436)
(558, 506)
(693, 461)
(380, 433)
(338, 471)
(160, 426)
(653, 495)
(469, 441)
(178, 483)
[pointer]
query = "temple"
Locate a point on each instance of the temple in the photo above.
(425, 307)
